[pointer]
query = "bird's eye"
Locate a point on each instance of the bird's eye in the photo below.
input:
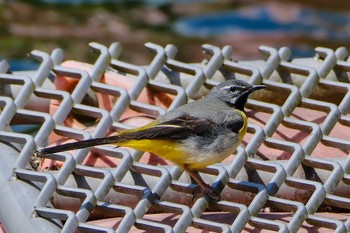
(232, 88)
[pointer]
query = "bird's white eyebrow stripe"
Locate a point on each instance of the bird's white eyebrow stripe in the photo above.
(228, 87)
(225, 88)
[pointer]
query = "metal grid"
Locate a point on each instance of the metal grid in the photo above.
(300, 185)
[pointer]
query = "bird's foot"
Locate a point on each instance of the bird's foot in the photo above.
(212, 193)
(208, 191)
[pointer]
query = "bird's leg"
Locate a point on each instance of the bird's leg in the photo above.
(207, 190)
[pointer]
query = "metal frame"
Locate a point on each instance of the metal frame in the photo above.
(31, 195)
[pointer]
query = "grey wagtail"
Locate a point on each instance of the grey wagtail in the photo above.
(193, 136)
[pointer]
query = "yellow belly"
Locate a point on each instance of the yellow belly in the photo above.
(162, 148)
(170, 151)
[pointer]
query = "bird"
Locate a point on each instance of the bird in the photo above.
(193, 136)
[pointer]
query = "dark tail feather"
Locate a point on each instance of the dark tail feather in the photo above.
(78, 145)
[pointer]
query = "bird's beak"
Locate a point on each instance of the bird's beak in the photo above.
(257, 87)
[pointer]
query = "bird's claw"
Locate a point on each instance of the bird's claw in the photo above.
(212, 193)
(208, 191)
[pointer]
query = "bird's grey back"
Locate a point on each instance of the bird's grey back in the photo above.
(209, 107)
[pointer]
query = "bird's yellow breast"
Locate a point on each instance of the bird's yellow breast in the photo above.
(243, 130)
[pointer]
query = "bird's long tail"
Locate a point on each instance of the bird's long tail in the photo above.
(78, 145)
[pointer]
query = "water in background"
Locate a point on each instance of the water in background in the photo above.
(22, 64)
(289, 22)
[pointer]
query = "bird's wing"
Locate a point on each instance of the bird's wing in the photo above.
(178, 128)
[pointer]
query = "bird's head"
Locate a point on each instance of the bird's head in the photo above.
(234, 92)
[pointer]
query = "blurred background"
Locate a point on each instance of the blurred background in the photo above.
(45, 25)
